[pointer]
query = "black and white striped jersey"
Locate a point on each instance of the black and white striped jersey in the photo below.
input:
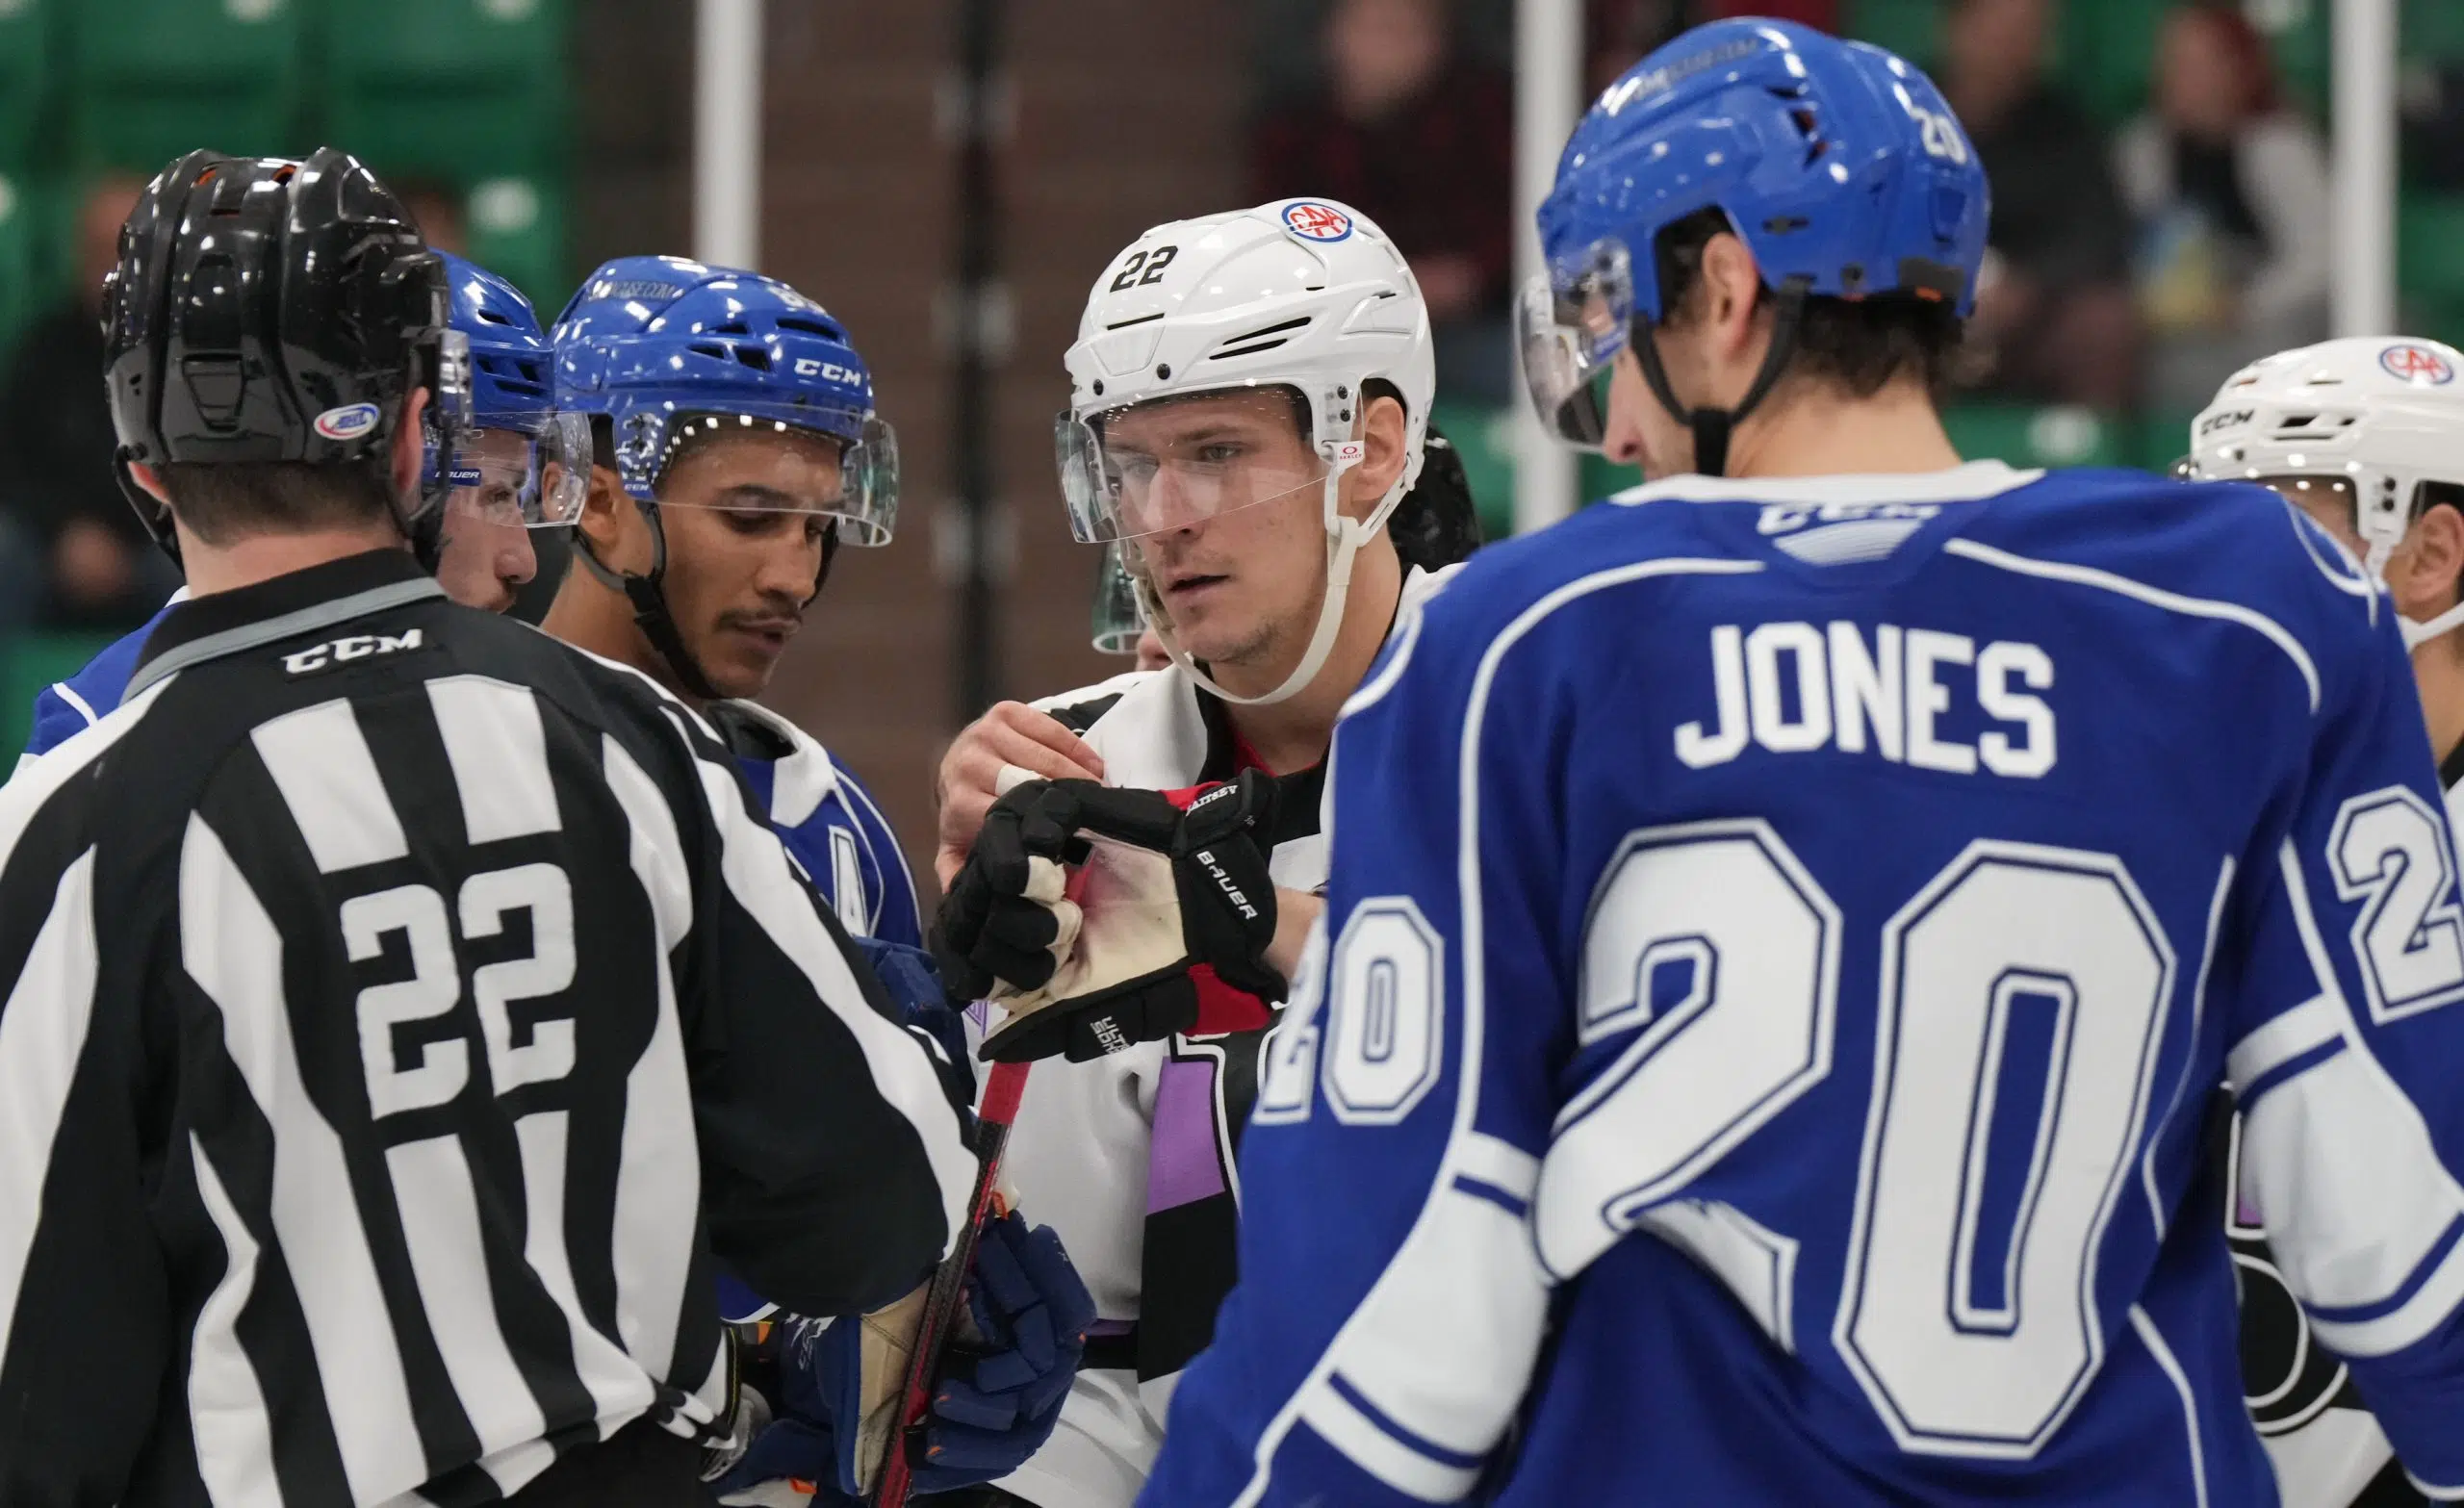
(401, 1013)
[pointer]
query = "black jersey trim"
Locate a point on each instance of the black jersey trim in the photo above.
(300, 601)
(2450, 769)
(1080, 716)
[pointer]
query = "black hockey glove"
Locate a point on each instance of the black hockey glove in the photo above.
(1171, 890)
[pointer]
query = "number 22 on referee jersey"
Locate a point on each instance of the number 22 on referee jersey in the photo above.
(437, 1070)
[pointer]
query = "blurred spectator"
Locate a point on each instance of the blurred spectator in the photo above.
(100, 571)
(1420, 140)
(2053, 318)
(2230, 189)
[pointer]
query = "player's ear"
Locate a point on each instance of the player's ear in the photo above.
(1731, 285)
(1382, 432)
(148, 478)
(410, 446)
(611, 524)
(2432, 566)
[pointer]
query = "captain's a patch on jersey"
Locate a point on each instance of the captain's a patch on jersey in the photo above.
(349, 650)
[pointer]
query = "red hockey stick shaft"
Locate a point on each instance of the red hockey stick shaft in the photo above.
(1002, 1088)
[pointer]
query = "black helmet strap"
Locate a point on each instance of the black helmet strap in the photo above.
(649, 596)
(1713, 428)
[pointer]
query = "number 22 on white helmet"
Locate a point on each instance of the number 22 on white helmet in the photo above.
(1304, 294)
(2370, 418)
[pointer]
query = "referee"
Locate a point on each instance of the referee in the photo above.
(401, 1013)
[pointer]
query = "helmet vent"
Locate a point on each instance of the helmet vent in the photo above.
(827, 332)
(754, 356)
(712, 349)
(1123, 325)
(731, 327)
(1266, 338)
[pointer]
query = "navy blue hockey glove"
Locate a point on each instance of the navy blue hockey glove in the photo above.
(913, 980)
(998, 1396)
(1177, 895)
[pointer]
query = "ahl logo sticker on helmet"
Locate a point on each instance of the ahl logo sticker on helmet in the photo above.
(2418, 365)
(1311, 220)
(347, 423)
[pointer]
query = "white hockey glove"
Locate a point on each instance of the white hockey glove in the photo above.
(1090, 947)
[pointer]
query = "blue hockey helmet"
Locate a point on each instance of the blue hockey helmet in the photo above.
(521, 461)
(1838, 164)
(669, 348)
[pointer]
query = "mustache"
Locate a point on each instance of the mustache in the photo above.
(781, 612)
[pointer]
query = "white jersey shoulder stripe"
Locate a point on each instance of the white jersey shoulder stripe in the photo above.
(2154, 596)
(85, 709)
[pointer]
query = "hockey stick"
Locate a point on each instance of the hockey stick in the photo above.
(1002, 1088)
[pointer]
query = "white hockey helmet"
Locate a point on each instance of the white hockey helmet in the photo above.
(2377, 414)
(1304, 294)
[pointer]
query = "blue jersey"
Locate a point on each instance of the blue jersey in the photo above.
(828, 820)
(66, 709)
(1780, 951)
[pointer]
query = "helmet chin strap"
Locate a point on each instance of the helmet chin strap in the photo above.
(1714, 427)
(2416, 634)
(1344, 538)
(649, 598)
(2417, 631)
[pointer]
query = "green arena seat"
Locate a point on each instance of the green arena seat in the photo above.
(2433, 31)
(25, 287)
(2024, 434)
(151, 79)
(516, 227)
(2430, 227)
(26, 75)
(29, 662)
(456, 89)
(2107, 53)
(1909, 28)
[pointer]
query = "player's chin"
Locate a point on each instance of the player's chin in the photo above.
(739, 666)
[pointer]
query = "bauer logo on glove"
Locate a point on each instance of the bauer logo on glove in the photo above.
(1083, 910)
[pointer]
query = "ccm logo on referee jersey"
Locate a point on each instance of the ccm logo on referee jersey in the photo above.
(342, 651)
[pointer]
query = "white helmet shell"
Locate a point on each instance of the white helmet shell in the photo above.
(1303, 294)
(2383, 413)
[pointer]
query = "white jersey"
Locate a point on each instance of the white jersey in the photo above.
(1131, 1157)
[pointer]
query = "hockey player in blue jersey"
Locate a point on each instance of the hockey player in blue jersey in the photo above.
(738, 449)
(521, 469)
(1785, 925)
(738, 452)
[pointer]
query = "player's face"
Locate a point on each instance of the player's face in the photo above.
(487, 550)
(1640, 430)
(745, 528)
(1242, 584)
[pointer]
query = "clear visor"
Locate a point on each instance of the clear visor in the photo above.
(532, 472)
(771, 459)
(1177, 462)
(1568, 328)
(1119, 620)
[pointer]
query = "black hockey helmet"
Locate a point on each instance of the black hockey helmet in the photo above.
(1437, 524)
(267, 309)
